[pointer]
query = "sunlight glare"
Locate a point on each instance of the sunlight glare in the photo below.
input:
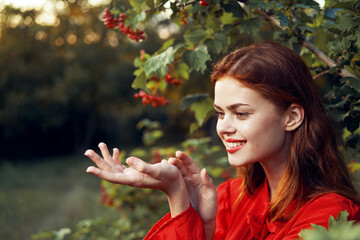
(24, 5)
(96, 3)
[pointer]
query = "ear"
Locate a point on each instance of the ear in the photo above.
(294, 117)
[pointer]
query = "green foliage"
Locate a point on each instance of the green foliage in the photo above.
(207, 32)
(202, 34)
(56, 235)
(338, 228)
(152, 131)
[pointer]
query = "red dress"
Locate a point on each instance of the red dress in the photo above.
(249, 219)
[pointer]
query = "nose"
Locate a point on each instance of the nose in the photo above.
(225, 126)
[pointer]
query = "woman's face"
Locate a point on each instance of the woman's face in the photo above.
(251, 127)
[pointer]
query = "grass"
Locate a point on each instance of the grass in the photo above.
(47, 195)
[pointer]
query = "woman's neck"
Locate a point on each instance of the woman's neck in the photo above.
(274, 173)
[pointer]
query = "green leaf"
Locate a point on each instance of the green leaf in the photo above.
(340, 221)
(346, 23)
(307, 4)
(212, 23)
(227, 18)
(299, 5)
(318, 228)
(181, 70)
(305, 29)
(255, 4)
(133, 20)
(352, 82)
(281, 35)
(197, 58)
(234, 8)
(157, 64)
(60, 234)
(140, 82)
(338, 116)
(265, 6)
(217, 44)
(137, 4)
(347, 4)
(150, 3)
(193, 127)
(194, 35)
(357, 34)
(283, 20)
(252, 26)
(332, 28)
(191, 98)
(202, 110)
(166, 45)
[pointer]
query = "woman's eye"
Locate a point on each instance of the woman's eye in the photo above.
(219, 115)
(241, 115)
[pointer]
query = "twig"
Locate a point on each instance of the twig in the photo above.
(321, 74)
(321, 55)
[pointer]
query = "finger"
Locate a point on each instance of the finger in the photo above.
(143, 167)
(179, 164)
(116, 158)
(106, 154)
(119, 178)
(188, 162)
(97, 160)
(116, 155)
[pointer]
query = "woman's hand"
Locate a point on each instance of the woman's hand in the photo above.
(201, 189)
(163, 176)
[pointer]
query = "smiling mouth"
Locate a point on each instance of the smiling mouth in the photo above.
(232, 147)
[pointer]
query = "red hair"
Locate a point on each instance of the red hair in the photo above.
(315, 164)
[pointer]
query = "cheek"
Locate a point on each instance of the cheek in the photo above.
(218, 128)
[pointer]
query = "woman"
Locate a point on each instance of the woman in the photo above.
(275, 129)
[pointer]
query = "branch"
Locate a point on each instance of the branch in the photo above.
(321, 74)
(311, 47)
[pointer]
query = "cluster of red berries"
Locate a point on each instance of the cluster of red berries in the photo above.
(111, 22)
(183, 18)
(171, 80)
(136, 35)
(204, 3)
(147, 99)
(105, 198)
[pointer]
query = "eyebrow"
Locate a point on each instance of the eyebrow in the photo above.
(233, 106)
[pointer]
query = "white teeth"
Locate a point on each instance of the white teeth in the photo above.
(234, 144)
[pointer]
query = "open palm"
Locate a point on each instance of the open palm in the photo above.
(140, 174)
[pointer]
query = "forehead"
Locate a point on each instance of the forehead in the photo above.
(230, 91)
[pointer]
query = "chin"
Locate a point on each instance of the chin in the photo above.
(238, 161)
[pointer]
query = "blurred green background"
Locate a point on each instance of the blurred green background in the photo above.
(65, 85)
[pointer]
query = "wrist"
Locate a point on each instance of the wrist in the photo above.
(177, 197)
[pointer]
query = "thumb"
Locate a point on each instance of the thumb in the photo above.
(206, 180)
(140, 165)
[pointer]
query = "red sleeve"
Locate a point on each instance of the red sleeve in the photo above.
(318, 211)
(187, 225)
(224, 211)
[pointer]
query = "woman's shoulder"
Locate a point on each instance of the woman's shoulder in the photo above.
(332, 204)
